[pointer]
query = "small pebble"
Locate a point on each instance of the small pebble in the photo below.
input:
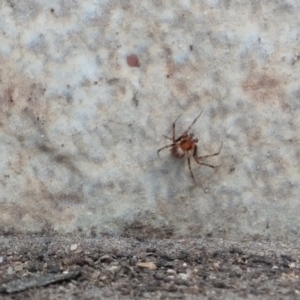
(1, 259)
(19, 267)
(183, 276)
(147, 265)
(73, 247)
(106, 258)
(103, 278)
(113, 268)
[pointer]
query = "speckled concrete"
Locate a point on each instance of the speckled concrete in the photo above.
(81, 123)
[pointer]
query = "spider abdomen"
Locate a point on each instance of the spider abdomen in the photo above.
(177, 152)
(187, 144)
(182, 147)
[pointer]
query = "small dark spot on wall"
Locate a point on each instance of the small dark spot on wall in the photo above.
(133, 61)
(168, 51)
(231, 169)
(111, 185)
(295, 58)
(11, 99)
(96, 82)
(191, 47)
(6, 176)
(38, 118)
(68, 86)
(181, 87)
(52, 10)
(69, 98)
(68, 198)
(285, 107)
(168, 76)
(122, 89)
(62, 145)
(44, 148)
(112, 81)
(93, 232)
(135, 100)
(29, 99)
(21, 138)
(61, 158)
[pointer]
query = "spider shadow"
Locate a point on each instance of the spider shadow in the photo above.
(175, 172)
(172, 168)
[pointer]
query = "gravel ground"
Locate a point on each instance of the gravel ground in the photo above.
(130, 268)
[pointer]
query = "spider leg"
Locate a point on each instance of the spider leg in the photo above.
(173, 137)
(209, 155)
(186, 132)
(198, 158)
(189, 163)
(205, 164)
(173, 133)
(193, 122)
(168, 146)
(168, 138)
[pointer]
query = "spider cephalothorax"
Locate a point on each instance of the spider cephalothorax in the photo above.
(186, 143)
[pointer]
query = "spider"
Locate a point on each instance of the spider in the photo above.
(187, 143)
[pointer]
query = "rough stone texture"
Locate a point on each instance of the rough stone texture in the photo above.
(108, 268)
(81, 123)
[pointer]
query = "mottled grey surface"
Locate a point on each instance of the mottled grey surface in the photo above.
(80, 127)
(107, 268)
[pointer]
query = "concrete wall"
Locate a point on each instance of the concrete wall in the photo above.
(81, 120)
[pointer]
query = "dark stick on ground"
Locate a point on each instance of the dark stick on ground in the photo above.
(23, 284)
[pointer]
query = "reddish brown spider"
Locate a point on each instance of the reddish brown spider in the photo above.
(186, 143)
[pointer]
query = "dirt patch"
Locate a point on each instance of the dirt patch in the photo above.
(127, 268)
